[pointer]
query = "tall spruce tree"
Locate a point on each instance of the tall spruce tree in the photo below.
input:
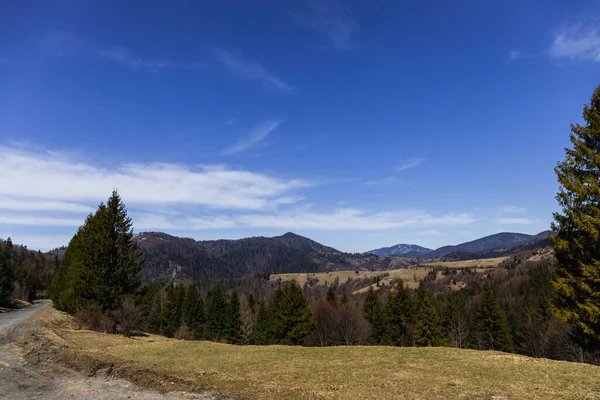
(292, 316)
(233, 323)
(216, 309)
(263, 327)
(428, 328)
(102, 262)
(576, 245)
(489, 328)
(374, 314)
(400, 316)
(6, 278)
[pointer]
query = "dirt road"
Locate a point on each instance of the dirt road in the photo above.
(22, 380)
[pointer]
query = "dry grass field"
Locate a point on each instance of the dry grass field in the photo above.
(482, 263)
(411, 275)
(285, 372)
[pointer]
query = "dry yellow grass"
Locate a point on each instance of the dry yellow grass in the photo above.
(481, 263)
(278, 372)
(407, 274)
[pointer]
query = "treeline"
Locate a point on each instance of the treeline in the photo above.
(180, 311)
(24, 274)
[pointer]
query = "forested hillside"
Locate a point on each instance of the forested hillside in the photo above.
(24, 274)
(169, 257)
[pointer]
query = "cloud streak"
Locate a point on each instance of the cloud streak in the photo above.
(256, 136)
(250, 70)
(331, 17)
(131, 60)
(410, 163)
(578, 42)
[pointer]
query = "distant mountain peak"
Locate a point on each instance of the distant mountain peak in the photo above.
(402, 250)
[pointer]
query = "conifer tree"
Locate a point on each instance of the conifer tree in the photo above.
(233, 323)
(102, 262)
(6, 278)
(578, 229)
(292, 316)
(263, 328)
(489, 327)
(428, 329)
(154, 317)
(169, 314)
(331, 299)
(400, 316)
(374, 314)
(215, 327)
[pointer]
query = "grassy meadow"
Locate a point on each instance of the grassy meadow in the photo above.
(362, 372)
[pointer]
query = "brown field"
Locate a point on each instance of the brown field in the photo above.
(286, 372)
(407, 274)
(482, 263)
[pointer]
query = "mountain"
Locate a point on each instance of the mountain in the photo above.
(168, 257)
(495, 245)
(492, 242)
(402, 250)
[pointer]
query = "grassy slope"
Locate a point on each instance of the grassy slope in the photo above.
(276, 372)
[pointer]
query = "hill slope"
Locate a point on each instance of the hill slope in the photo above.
(402, 250)
(169, 257)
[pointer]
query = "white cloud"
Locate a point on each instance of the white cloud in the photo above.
(515, 221)
(303, 218)
(578, 42)
(333, 18)
(16, 219)
(257, 135)
(52, 178)
(512, 210)
(429, 233)
(22, 204)
(250, 70)
(410, 163)
(515, 55)
(131, 60)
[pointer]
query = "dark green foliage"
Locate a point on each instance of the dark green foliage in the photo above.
(216, 318)
(428, 329)
(6, 278)
(400, 317)
(263, 327)
(489, 328)
(233, 322)
(331, 295)
(154, 315)
(170, 316)
(101, 263)
(578, 230)
(292, 316)
(374, 313)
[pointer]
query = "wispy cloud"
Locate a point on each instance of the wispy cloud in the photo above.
(256, 136)
(331, 17)
(512, 209)
(131, 60)
(60, 44)
(410, 163)
(580, 41)
(515, 221)
(50, 178)
(250, 70)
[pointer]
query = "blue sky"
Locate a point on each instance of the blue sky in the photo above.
(358, 124)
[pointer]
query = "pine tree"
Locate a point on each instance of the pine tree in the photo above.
(154, 318)
(578, 229)
(215, 327)
(331, 299)
(428, 329)
(169, 322)
(489, 328)
(233, 322)
(6, 278)
(374, 314)
(400, 316)
(101, 263)
(292, 316)
(344, 299)
(263, 327)
(190, 305)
